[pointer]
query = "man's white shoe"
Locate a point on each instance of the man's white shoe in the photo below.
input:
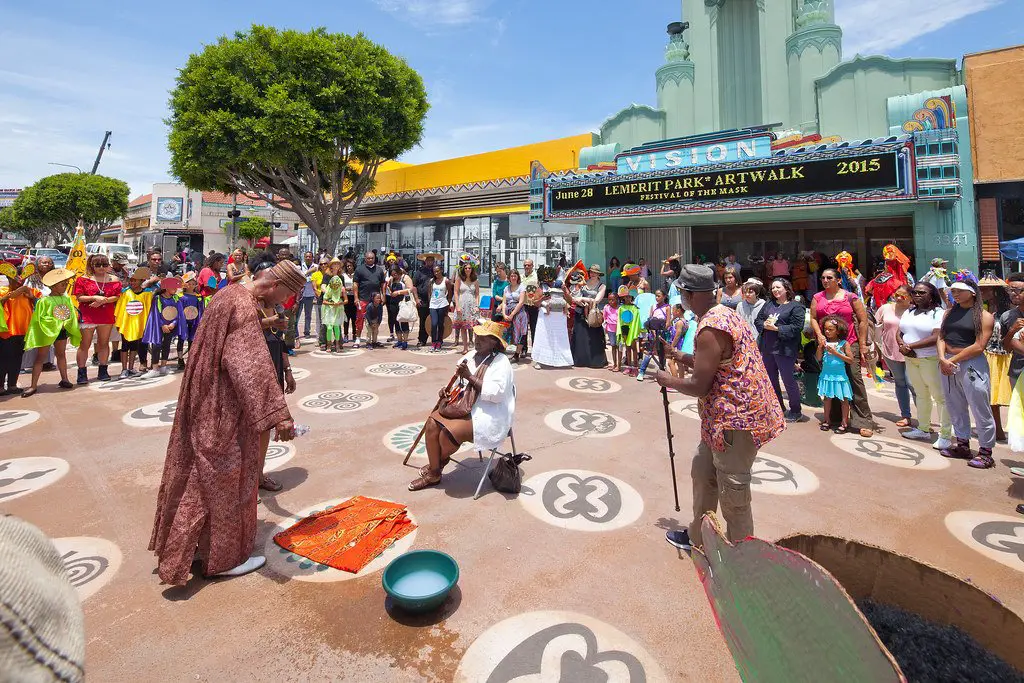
(164, 371)
(941, 443)
(150, 374)
(250, 565)
(917, 435)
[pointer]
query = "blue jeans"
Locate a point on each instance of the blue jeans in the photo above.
(437, 317)
(903, 388)
(305, 308)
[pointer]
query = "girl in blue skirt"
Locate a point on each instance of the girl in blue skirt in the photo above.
(833, 383)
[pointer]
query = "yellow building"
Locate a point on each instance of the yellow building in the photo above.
(477, 203)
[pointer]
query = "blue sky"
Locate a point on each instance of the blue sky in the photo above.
(498, 72)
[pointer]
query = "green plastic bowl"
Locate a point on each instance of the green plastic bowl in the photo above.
(420, 580)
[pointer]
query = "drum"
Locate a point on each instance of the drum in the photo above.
(447, 327)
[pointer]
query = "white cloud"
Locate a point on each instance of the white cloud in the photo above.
(436, 12)
(878, 26)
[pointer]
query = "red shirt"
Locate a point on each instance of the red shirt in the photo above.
(104, 315)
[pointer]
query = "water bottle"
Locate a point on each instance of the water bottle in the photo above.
(301, 430)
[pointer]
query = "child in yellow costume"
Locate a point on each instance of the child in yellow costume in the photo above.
(130, 317)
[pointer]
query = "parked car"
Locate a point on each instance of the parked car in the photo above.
(35, 253)
(108, 249)
(12, 257)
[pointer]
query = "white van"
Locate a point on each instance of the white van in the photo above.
(108, 250)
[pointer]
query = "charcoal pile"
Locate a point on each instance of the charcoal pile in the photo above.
(932, 653)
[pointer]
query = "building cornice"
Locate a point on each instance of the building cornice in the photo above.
(817, 36)
(887, 64)
(633, 109)
(675, 72)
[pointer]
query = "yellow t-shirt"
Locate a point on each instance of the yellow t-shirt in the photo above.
(318, 279)
(131, 312)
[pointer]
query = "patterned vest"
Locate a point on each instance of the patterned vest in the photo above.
(741, 397)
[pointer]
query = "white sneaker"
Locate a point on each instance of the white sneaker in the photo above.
(150, 374)
(942, 443)
(124, 375)
(640, 377)
(164, 371)
(250, 565)
(917, 435)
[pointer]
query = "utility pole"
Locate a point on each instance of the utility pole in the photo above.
(99, 155)
(234, 220)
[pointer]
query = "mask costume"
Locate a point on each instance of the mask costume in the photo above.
(551, 347)
(629, 317)
(849, 277)
(164, 310)
(895, 275)
(938, 276)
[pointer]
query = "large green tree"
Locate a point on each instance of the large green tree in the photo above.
(253, 228)
(303, 119)
(55, 205)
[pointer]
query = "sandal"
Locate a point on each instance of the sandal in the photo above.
(64, 384)
(824, 426)
(29, 392)
(842, 429)
(903, 422)
(425, 470)
(982, 461)
(425, 481)
(268, 484)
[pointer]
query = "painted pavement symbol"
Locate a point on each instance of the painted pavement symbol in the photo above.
(895, 453)
(299, 374)
(278, 453)
(344, 353)
(90, 562)
(997, 537)
(400, 438)
(587, 423)
(287, 564)
(778, 476)
(338, 401)
(580, 500)
(153, 415)
(131, 384)
(556, 646)
(425, 351)
(687, 407)
(589, 385)
(22, 476)
(395, 369)
(16, 419)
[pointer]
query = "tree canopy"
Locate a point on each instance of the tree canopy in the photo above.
(54, 205)
(253, 228)
(303, 119)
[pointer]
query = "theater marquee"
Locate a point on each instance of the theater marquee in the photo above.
(875, 172)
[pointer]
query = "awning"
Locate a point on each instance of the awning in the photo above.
(1013, 249)
(291, 240)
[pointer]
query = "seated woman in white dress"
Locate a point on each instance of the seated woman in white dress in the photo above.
(490, 418)
(551, 344)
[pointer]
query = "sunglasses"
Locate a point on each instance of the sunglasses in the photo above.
(101, 265)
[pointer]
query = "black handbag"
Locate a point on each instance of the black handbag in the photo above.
(505, 476)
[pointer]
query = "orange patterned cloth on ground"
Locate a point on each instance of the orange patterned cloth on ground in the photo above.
(349, 535)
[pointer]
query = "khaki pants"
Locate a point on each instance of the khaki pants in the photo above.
(724, 478)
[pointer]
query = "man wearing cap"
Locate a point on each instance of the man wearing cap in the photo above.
(229, 396)
(119, 268)
(739, 411)
(424, 276)
(938, 277)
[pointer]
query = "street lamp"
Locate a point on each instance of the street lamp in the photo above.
(54, 163)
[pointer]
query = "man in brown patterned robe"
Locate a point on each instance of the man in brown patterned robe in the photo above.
(229, 395)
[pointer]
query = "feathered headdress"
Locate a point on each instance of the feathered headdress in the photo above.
(891, 252)
(630, 269)
(965, 275)
(848, 276)
(468, 259)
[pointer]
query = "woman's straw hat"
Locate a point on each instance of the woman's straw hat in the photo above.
(491, 328)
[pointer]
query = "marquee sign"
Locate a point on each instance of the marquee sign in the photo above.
(757, 147)
(871, 172)
(864, 172)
